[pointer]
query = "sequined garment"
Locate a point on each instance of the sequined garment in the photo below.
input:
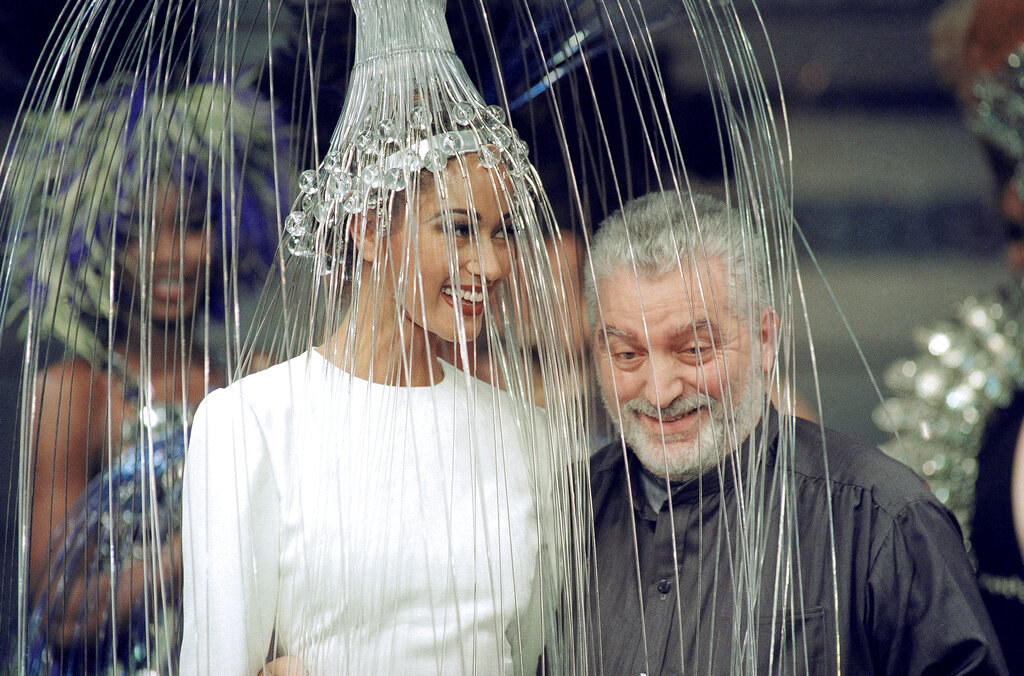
(970, 365)
(127, 520)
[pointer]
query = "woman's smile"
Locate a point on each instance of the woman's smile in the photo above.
(471, 298)
(172, 290)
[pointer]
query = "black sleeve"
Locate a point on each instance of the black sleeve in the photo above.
(924, 607)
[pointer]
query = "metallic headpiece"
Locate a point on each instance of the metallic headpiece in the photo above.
(410, 107)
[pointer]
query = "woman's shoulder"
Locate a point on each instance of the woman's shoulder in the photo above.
(269, 391)
(73, 372)
(491, 406)
(70, 413)
(73, 385)
(486, 393)
(255, 417)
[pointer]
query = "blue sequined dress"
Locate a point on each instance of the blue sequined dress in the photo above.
(127, 522)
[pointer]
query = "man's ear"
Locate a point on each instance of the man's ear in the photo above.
(769, 338)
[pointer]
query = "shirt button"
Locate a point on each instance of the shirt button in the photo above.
(664, 586)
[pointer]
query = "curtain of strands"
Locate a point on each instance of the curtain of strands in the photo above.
(358, 220)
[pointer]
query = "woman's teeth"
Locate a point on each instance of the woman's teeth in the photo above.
(463, 295)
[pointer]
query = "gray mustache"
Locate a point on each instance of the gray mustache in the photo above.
(683, 404)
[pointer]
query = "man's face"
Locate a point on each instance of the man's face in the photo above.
(674, 362)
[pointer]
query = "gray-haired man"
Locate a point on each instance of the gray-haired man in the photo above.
(730, 539)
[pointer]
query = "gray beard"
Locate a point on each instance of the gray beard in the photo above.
(718, 432)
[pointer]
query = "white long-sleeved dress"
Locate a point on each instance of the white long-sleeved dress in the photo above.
(366, 528)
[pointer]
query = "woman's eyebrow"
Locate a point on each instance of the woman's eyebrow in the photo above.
(198, 211)
(454, 212)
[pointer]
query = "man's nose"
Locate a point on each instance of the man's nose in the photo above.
(668, 380)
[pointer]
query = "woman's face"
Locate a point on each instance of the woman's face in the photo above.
(170, 262)
(456, 249)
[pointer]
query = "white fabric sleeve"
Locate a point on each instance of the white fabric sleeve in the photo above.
(527, 638)
(229, 541)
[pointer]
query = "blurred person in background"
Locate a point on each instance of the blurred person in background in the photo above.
(568, 252)
(140, 198)
(957, 407)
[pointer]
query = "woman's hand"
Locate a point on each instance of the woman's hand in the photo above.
(284, 666)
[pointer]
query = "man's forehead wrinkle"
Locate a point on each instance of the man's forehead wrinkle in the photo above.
(619, 333)
(705, 283)
(683, 313)
(635, 280)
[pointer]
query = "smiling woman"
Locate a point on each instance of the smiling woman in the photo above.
(123, 269)
(170, 268)
(366, 506)
(401, 457)
(432, 271)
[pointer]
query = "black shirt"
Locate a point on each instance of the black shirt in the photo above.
(734, 575)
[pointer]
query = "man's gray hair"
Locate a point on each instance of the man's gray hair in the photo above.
(664, 231)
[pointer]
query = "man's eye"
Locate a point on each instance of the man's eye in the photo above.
(699, 351)
(625, 356)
